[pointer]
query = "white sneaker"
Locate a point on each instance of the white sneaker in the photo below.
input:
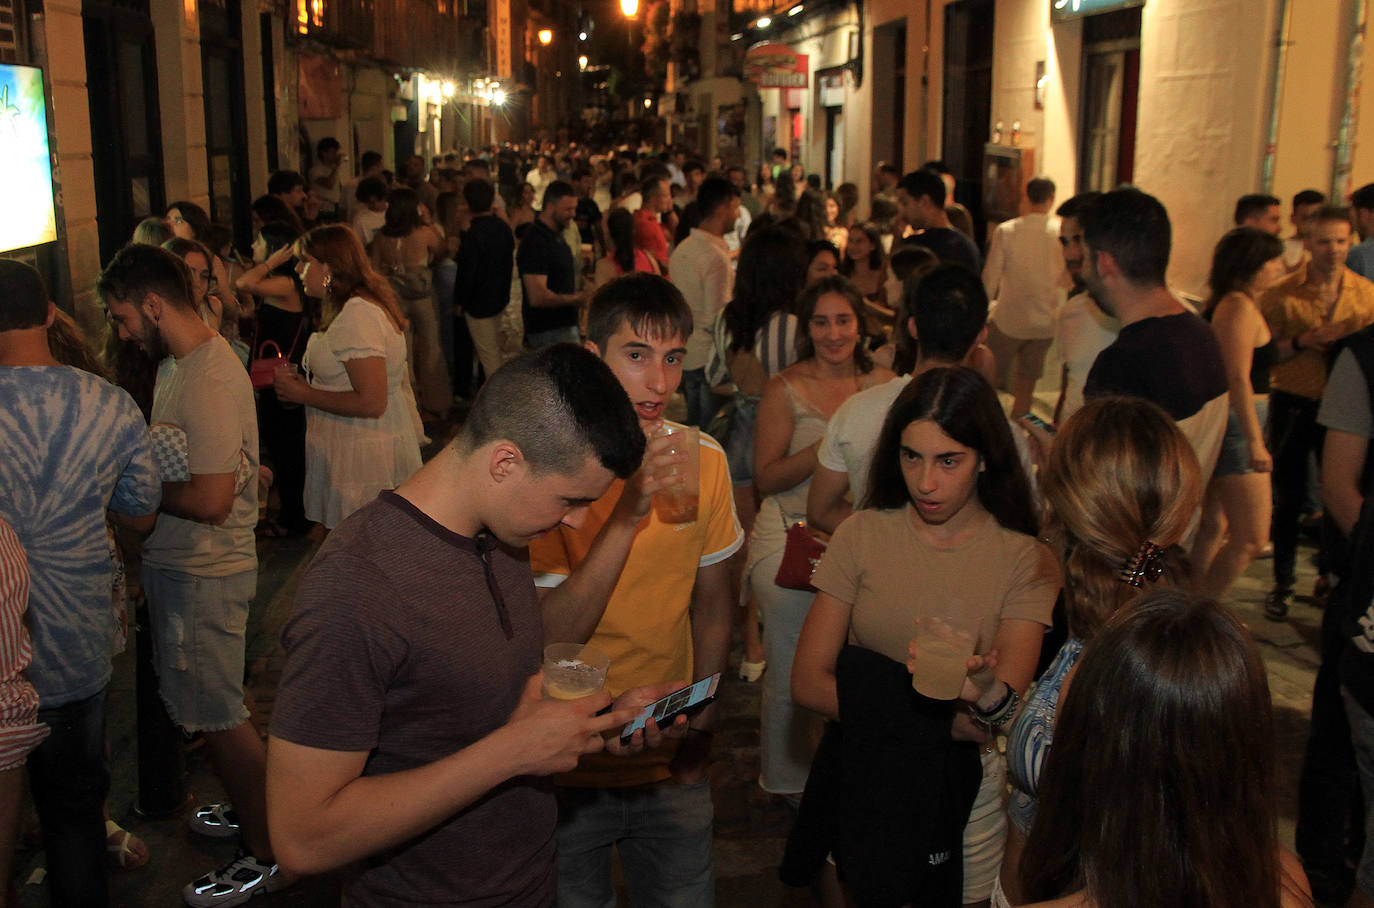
(216, 820)
(233, 884)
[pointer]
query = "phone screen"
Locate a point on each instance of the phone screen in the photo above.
(679, 701)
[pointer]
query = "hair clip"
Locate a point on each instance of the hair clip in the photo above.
(1144, 565)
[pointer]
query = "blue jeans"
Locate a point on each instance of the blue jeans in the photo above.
(69, 777)
(663, 832)
(702, 402)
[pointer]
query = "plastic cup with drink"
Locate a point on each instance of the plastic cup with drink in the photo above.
(573, 670)
(678, 501)
(944, 644)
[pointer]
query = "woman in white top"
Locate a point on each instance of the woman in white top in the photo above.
(361, 433)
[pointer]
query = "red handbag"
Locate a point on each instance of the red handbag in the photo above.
(800, 556)
(262, 368)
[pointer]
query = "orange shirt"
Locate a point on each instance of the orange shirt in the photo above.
(1292, 307)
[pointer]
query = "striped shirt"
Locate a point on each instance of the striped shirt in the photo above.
(20, 730)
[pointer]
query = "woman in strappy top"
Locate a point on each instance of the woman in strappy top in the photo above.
(796, 406)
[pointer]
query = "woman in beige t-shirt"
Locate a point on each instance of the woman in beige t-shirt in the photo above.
(948, 529)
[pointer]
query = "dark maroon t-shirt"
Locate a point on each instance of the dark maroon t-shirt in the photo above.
(396, 648)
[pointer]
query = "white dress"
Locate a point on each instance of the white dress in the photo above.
(349, 459)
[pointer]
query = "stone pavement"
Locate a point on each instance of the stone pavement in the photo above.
(751, 826)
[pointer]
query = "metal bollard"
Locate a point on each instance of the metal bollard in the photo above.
(161, 763)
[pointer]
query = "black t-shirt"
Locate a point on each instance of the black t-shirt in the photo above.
(396, 648)
(949, 245)
(1172, 360)
(544, 252)
(485, 259)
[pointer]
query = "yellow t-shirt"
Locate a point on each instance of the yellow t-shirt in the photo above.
(1291, 308)
(646, 628)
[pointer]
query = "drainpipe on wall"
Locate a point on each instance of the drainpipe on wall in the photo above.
(1350, 116)
(1276, 74)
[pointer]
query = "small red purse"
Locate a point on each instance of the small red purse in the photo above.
(800, 556)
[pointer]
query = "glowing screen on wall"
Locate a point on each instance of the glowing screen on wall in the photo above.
(26, 212)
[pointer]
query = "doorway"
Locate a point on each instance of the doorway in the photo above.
(1111, 87)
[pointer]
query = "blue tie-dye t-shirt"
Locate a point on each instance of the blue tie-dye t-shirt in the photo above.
(71, 446)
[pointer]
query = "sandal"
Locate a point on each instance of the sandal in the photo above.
(751, 671)
(125, 850)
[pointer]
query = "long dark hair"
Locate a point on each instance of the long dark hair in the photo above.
(811, 214)
(1239, 256)
(965, 407)
(875, 257)
(1163, 759)
(402, 213)
(620, 228)
(194, 216)
(770, 274)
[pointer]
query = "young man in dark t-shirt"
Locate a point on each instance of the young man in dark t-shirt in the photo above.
(1164, 353)
(486, 258)
(409, 722)
(548, 272)
(921, 202)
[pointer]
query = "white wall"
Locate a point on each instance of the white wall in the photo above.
(1200, 129)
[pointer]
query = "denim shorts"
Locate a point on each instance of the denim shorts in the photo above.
(1234, 459)
(199, 629)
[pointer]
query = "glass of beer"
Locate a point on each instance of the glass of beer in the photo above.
(678, 502)
(573, 670)
(944, 644)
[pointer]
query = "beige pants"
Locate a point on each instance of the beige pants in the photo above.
(433, 389)
(486, 341)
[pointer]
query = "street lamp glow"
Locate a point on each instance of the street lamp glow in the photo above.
(582, 36)
(449, 89)
(648, 102)
(763, 22)
(582, 63)
(629, 7)
(498, 97)
(796, 10)
(546, 36)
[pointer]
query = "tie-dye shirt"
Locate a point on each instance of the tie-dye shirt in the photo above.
(71, 446)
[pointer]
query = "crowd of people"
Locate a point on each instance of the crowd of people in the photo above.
(869, 464)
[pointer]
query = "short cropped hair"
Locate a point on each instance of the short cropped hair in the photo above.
(1040, 190)
(1332, 214)
(1134, 227)
(1074, 206)
(950, 306)
(1309, 197)
(370, 159)
(1363, 198)
(137, 270)
(328, 143)
(479, 194)
(648, 303)
(558, 405)
(924, 183)
(370, 188)
(283, 181)
(1256, 203)
(713, 193)
(557, 190)
(23, 296)
(693, 164)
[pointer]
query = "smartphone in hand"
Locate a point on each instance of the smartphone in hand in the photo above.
(681, 702)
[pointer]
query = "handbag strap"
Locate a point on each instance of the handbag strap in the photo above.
(300, 323)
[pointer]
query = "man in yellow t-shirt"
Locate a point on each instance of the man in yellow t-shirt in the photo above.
(667, 618)
(1308, 313)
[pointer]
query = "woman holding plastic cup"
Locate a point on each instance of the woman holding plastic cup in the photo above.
(947, 535)
(797, 404)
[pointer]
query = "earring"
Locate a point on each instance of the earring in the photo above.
(328, 280)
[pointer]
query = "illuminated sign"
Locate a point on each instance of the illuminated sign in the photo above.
(776, 66)
(29, 218)
(1061, 10)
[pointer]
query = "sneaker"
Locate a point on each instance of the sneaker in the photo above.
(751, 671)
(1276, 603)
(234, 883)
(219, 821)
